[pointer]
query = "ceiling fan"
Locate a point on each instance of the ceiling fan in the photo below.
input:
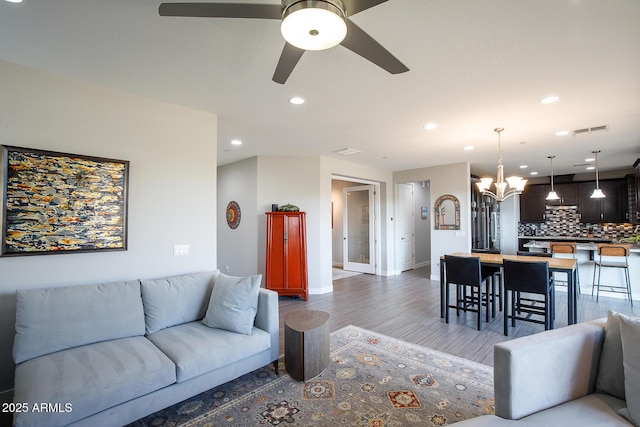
(306, 25)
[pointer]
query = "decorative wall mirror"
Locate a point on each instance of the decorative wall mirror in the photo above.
(447, 213)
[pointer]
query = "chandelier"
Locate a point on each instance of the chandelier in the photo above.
(515, 184)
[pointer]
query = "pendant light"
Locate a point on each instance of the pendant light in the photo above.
(515, 183)
(597, 193)
(552, 194)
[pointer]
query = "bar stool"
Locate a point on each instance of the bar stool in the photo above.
(466, 272)
(616, 256)
(565, 248)
(530, 279)
(495, 273)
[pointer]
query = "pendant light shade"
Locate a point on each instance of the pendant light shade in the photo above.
(314, 24)
(597, 192)
(552, 194)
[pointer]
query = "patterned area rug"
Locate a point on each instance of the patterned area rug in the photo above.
(371, 380)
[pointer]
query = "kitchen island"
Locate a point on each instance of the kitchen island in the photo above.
(587, 250)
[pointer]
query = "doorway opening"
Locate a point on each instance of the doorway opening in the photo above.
(355, 205)
(413, 225)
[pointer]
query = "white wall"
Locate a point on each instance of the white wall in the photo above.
(304, 181)
(238, 182)
(172, 182)
(293, 180)
(454, 179)
(333, 168)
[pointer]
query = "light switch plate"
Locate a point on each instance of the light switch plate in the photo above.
(180, 250)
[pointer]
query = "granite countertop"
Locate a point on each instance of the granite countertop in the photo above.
(589, 246)
(567, 238)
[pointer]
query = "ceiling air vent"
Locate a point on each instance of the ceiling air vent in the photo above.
(347, 151)
(590, 130)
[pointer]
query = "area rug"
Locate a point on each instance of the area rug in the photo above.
(371, 380)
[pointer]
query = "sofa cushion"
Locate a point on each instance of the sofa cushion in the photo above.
(175, 300)
(610, 377)
(630, 331)
(88, 379)
(197, 349)
(233, 303)
(593, 410)
(54, 319)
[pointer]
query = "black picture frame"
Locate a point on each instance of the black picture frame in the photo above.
(55, 203)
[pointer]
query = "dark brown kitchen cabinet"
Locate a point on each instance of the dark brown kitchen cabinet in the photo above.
(612, 208)
(533, 202)
(568, 194)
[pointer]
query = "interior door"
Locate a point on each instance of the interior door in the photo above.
(359, 232)
(406, 225)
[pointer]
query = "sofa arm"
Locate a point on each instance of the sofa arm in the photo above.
(268, 318)
(539, 371)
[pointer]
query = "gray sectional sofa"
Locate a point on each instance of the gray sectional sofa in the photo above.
(571, 376)
(110, 354)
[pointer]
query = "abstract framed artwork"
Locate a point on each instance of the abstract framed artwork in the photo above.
(55, 203)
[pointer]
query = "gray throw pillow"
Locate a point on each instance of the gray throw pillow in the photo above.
(630, 331)
(610, 377)
(234, 303)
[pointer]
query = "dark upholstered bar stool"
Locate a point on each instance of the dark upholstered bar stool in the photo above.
(465, 272)
(528, 279)
(496, 276)
(611, 255)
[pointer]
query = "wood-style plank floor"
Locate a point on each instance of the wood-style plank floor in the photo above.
(407, 306)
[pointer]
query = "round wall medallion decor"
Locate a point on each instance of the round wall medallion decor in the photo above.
(233, 214)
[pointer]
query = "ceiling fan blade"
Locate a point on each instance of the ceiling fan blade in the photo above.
(354, 6)
(364, 45)
(221, 10)
(287, 62)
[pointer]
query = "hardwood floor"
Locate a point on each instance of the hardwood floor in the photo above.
(407, 306)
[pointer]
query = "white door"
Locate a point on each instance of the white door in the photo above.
(406, 224)
(359, 229)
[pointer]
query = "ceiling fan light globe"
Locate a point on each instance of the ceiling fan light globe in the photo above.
(313, 25)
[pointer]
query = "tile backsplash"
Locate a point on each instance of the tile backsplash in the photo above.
(565, 221)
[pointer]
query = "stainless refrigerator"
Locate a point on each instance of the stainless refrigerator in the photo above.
(485, 221)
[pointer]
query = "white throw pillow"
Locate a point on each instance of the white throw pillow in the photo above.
(630, 331)
(234, 303)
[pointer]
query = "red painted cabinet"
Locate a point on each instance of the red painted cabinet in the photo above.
(286, 269)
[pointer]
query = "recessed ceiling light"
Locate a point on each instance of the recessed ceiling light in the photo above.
(430, 126)
(14, 1)
(296, 100)
(549, 99)
(562, 133)
(523, 166)
(468, 148)
(533, 173)
(590, 168)
(590, 159)
(236, 142)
